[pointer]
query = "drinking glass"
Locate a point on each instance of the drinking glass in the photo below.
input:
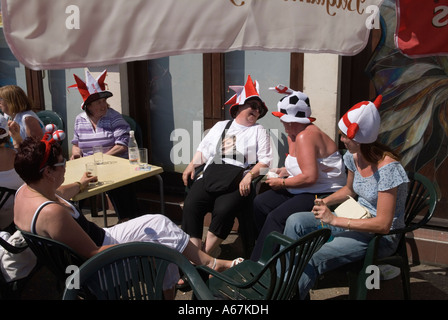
(143, 161)
(92, 171)
(98, 154)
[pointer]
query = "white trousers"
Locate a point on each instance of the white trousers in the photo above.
(155, 228)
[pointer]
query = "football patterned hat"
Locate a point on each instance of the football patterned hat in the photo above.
(293, 107)
(362, 122)
(249, 91)
(93, 89)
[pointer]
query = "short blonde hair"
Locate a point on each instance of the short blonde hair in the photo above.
(15, 98)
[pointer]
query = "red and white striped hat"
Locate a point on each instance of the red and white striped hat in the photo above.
(243, 93)
(93, 89)
(362, 122)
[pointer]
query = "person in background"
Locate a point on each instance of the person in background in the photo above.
(17, 107)
(246, 145)
(377, 178)
(313, 167)
(100, 125)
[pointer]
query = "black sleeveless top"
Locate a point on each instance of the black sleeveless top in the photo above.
(95, 233)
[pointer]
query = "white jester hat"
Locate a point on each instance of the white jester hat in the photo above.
(243, 93)
(93, 89)
(362, 122)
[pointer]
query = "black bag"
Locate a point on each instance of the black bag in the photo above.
(222, 177)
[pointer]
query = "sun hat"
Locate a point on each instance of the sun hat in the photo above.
(4, 126)
(93, 89)
(293, 107)
(362, 122)
(243, 93)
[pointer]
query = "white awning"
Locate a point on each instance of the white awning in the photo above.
(59, 34)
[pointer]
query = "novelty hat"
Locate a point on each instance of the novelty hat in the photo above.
(4, 126)
(294, 107)
(362, 122)
(243, 93)
(92, 89)
(51, 135)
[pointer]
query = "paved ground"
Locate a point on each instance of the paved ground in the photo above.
(427, 282)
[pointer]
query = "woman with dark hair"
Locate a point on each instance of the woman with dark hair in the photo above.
(377, 178)
(245, 145)
(41, 210)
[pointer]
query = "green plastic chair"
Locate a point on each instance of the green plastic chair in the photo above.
(49, 116)
(132, 271)
(56, 256)
(420, 205)
(273, 277)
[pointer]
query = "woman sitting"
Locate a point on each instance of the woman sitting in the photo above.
(246, 145)
(377, 178)
(41, 210)
(313, 167)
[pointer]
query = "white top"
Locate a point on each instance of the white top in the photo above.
(331, 177)
(249, 145)
(20, 119)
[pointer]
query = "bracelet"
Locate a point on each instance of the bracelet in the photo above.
(251, 173)
(348, 224)
(81, 189)
(284, 185)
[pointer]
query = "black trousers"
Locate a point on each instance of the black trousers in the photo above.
(224, 207)
(271, 210)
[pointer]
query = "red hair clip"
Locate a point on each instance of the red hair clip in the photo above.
(51, 135)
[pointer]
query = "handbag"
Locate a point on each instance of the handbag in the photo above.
(350, 208)
(222, 177)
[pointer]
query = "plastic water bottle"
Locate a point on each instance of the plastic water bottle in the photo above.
(132, 149)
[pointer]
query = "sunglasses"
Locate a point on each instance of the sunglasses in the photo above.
(254, 106)
(59, 164)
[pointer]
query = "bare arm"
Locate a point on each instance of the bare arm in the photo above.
(33, 128)
(117, 150)
(56, 223)
(197, 160)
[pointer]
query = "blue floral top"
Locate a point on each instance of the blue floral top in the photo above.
(387, 177)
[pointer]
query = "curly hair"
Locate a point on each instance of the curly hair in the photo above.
(29, 157)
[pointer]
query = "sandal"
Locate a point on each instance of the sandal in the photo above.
(236, 261)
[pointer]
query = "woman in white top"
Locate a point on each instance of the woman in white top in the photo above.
(312, 167)
(246, 145)
(17, 106)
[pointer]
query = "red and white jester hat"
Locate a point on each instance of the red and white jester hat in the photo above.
(243, 93)
(362, 122)
(93, 89)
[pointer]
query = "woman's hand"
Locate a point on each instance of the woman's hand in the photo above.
(322, 212)
(188, 174)
(86, 178)
(245, 185)
(276, 183)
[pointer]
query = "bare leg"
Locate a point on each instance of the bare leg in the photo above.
(198, 257)
(212, 242)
